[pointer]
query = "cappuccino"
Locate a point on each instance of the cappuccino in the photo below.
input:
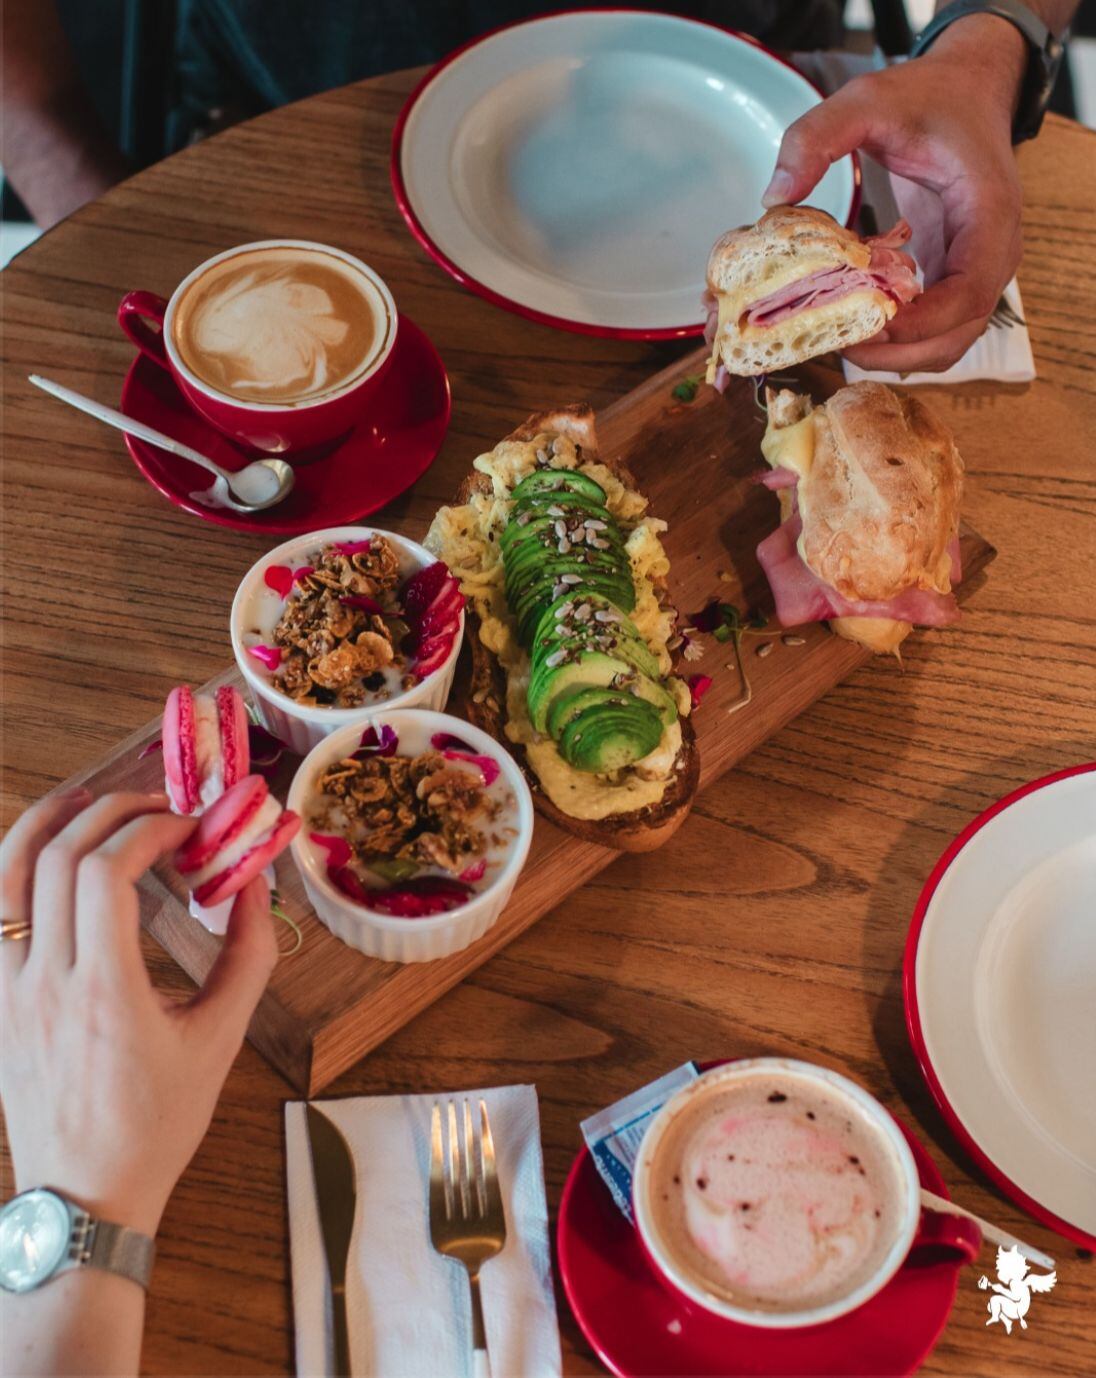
(281, 325)
(774, 1193)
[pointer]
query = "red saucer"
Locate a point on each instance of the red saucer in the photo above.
(637, 1327)
(380, 459)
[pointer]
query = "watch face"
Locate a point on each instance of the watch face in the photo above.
(34, 1238)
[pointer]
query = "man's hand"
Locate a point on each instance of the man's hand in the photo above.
(943, 122)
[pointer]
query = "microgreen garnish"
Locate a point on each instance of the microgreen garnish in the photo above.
(686, 390)
(277, 911)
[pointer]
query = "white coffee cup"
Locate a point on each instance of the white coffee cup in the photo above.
(906, 1210)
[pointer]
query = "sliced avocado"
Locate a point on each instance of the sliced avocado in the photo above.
(595, 671)
(572, 503)
(614, 641)
(555, 480)
(532, 568)
(529, 607)
(566, 706)
(541, 530)
(605, 738)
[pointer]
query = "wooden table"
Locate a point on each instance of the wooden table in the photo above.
(773, 922)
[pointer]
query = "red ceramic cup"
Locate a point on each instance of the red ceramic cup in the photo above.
(916, 1228)
(294, 430)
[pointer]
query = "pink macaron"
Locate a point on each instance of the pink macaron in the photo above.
(238, 836)
(205, 746)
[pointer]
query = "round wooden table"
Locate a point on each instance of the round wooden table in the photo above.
(773, 922)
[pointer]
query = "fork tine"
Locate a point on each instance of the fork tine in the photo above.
(465, 1168)
(440, 1205)
(475, 1147)
(456, 1174)
(492, 1190)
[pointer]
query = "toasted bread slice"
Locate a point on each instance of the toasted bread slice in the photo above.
(639, 830)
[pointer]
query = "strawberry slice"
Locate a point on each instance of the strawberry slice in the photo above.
(432, 655)
(424, 586)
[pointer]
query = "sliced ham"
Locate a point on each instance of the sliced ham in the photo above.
(802, 597)
(778, 478)
(889, 271)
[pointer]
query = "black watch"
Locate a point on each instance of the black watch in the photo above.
(1044, 56)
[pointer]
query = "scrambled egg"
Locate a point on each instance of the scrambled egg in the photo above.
(467, 539)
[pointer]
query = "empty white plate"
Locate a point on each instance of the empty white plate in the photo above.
(1001, 995)
(578, 168)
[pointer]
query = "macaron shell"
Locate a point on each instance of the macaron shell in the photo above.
(180, 756)
(221, 823)
(235, 746)
(230, 882)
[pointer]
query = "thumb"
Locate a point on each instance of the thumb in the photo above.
(222, 1009)
(826, 133)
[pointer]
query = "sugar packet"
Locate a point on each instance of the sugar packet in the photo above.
(613, 1135)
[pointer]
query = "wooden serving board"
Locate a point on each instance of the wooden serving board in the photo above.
(326, 1004)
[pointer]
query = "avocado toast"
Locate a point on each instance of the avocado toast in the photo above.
(565, 577)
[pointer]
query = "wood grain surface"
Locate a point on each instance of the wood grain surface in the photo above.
(774, 922)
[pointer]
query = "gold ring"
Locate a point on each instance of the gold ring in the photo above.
(14, 929)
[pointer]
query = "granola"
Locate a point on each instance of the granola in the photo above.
(342, 629)
(404, 816)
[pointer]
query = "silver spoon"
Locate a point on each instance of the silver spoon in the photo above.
(258, 485)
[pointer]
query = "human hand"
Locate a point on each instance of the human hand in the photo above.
(108, 1087)
(943, 122)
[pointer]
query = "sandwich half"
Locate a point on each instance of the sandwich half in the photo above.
(569, 623)
(797, 284)
(869, 488)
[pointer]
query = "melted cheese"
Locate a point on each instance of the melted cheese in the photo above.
(467, 539)
(790, 447)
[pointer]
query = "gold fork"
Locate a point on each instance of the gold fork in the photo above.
(467, 1221)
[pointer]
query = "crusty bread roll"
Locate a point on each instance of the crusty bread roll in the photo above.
(787, 244)
(880, 482)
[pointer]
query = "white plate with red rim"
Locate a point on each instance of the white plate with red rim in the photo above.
(576, 168)
(999, 976)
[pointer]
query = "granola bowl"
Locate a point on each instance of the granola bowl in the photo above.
(331, 627)
(415, 830)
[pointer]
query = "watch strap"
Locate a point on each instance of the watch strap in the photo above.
(1045, 53)
(115, 1249)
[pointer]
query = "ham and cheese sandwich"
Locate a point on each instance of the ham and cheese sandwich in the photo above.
(797, 284)
(869, 489)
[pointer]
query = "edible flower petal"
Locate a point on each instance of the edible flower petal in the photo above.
(361, 600)
(487, 766)
(698, 687)
(299, 575)
(708, 618)
(374, 744)
(268, 656)
(344, 879)
(279, 578)
(337, 848)
(471, 874)
(349, 548)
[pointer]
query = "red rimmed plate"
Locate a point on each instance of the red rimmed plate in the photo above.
(378, 461)
(999, 975)
(576, 168)
(637, 1327)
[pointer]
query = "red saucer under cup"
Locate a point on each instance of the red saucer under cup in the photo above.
(378, 460)
(637, 1327)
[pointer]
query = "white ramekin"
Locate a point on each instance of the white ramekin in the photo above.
(300, 726)
(383, 935)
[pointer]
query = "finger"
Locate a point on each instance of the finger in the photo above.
(107, 911)
(222, 1009)
(19, 851)
(54, 909)
(927, 356)
(826, 133)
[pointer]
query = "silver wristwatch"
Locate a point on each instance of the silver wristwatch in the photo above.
(43, 1233)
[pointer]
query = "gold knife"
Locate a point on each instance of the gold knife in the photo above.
(336, 1198)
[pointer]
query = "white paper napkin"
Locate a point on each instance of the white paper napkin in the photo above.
(408, 1309)
(1002, 352)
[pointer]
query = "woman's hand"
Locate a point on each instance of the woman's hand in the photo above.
(108, 1087)
(943, 122)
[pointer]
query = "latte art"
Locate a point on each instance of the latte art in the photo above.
(772, 1197)
(283, 325)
